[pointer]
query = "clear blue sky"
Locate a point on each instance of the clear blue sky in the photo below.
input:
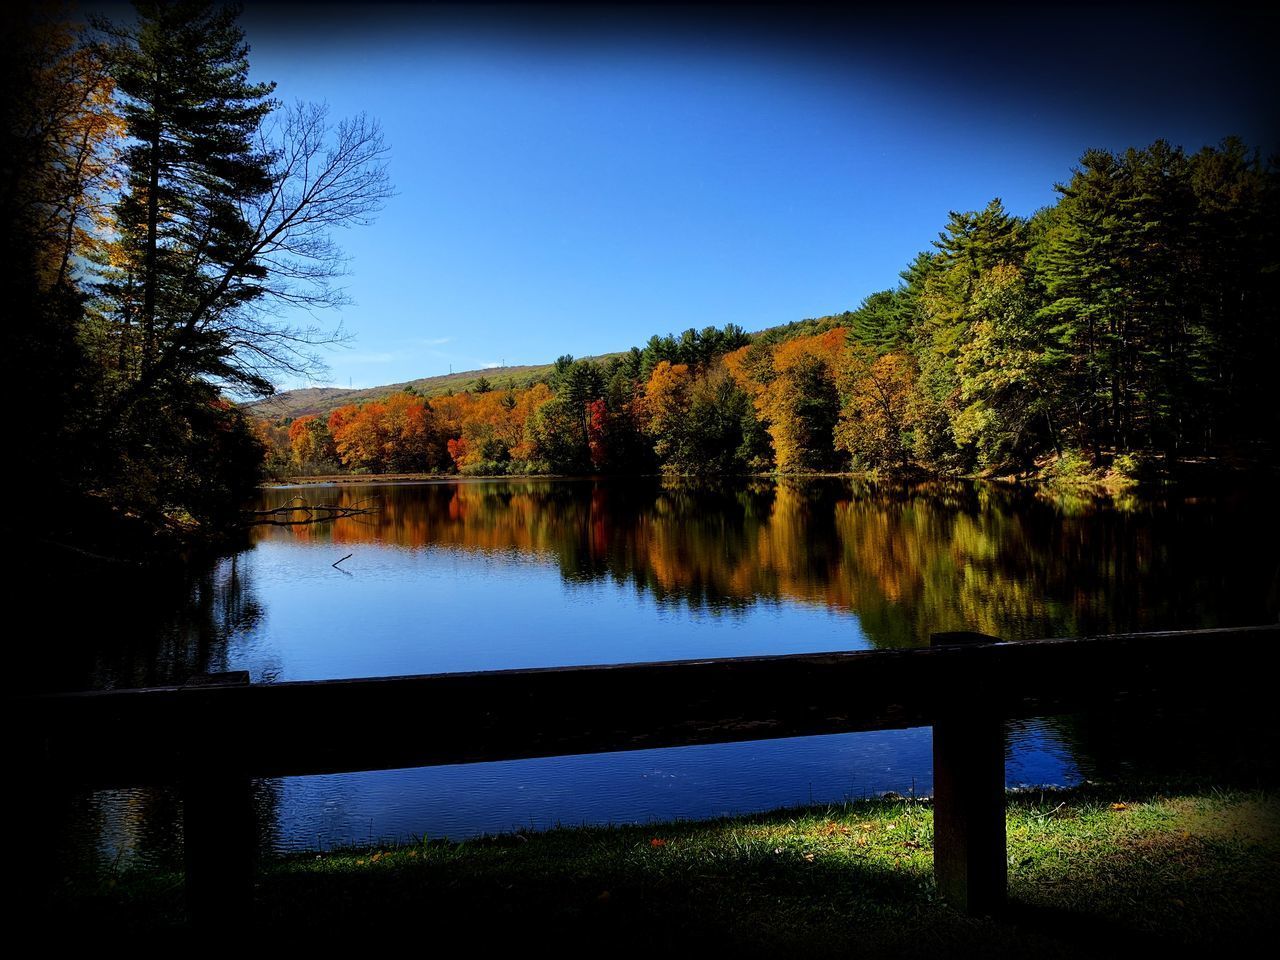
(574, 182)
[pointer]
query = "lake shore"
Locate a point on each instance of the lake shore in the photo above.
(1053, 477)
(1093, 870)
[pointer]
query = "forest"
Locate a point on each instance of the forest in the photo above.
(166, 217)
(1124, 329)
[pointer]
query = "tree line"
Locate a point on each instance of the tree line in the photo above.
(1129, 325)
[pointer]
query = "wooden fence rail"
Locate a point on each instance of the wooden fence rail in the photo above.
(214, 736)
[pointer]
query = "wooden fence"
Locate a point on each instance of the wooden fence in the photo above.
(216, 734)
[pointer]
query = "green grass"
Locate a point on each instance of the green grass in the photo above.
(1094, 871)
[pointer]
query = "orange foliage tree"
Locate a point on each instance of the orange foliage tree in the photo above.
(793, 388)
(399, 433)
(667, 398)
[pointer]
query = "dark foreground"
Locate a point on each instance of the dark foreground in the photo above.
(1095, 871)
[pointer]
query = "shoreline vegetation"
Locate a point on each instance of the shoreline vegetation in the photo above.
(1094, 869)
(1108, 483)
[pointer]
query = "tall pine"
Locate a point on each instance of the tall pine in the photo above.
(182, 268)
(192, 117)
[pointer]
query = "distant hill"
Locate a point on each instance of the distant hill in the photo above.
(323, 400)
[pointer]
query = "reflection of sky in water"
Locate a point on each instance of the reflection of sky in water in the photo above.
(426, 610)
(401, 611)
(449, 579)
(633, 787)
(1035, 756)
(639, 786)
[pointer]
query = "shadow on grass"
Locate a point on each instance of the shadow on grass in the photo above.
(1094, 871)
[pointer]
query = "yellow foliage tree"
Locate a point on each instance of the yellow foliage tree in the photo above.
(667, 398)
(878, 408)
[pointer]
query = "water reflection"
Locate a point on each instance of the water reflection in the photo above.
(907, 560)
(482, 575)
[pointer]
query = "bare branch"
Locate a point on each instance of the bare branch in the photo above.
(324, 176)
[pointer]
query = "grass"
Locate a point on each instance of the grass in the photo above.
(1093, 871)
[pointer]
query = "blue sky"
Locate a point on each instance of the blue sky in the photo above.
(574, 182)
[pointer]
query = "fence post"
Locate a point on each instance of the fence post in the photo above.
(218, 821)
(970, 862)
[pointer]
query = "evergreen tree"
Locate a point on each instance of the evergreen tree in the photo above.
(186, 247)
(1120, 271)
(220, 215)
(946, 302)
(1238, 282)
(881, 321)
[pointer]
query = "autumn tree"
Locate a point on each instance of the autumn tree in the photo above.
(793, 388)
(59, 140)
(876, 416)
(310, 442)
(667, 396)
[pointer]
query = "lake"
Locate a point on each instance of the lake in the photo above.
(478, 575)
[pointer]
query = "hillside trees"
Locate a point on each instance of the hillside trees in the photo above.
(877, 415)
(1136, 315)
(398, 434)
(1152, 285)
(793, 388)
(310, 443)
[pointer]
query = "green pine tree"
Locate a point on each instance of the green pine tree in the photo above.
(185, 245)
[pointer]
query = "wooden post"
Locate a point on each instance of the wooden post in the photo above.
(218, 822)
(969, 855)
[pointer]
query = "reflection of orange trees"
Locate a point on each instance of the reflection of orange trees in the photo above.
(715, 547)
(846, 547)
(907, 560)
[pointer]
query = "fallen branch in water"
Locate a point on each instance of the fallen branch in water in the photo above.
(284, 516)
(347, 557)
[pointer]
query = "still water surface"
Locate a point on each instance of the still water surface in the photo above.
(494, 574)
